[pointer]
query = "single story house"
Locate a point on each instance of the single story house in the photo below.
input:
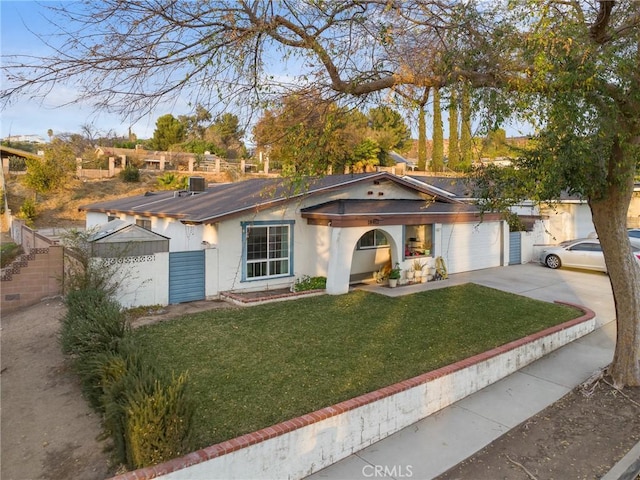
(265, 233)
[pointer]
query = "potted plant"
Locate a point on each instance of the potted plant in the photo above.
(394, 275)
(418, 265)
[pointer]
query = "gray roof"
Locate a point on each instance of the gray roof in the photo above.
(230, 199)
(388, 207)
(122, 231)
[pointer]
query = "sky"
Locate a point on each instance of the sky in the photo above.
(35, 117)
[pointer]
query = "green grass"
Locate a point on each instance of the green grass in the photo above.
(253, 367)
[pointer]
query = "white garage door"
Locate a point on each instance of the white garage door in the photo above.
(471, 246)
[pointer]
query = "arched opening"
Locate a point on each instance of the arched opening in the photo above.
(373, 251)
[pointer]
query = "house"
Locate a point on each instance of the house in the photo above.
(265, 233)
(565, 219)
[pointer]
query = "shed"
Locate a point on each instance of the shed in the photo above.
(119, 238)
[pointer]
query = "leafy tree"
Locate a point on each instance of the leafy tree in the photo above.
(466, 137)
(571, 67)
(49, 173)
(495, 144)
(422, 139)
(437, 160)
(226, 133)
(366, 155)
(307, 134)
(454, 152)
(389, 130)
(169, 131)
(195, 125)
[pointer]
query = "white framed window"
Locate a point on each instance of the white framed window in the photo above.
(267, 249)
(373, 239)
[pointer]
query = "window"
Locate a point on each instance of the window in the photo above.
(144, 223)
(111, 217)
(586, 247)
(267, 249)
(373, 239)
(418, 240)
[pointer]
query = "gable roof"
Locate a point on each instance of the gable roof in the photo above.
(225, 200)
(121, 231)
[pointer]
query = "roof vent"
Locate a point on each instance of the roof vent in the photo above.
(196, 184)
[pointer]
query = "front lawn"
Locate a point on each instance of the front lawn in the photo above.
(253, 367)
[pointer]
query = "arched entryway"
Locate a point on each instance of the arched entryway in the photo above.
(371, 253)
(344, 244)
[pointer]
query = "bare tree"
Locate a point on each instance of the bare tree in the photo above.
(572, 65)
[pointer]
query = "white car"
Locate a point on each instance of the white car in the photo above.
(634, 237)
(581, 253)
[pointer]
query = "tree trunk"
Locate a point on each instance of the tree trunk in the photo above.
(610, 219)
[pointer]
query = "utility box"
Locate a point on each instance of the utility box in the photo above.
(197, 184)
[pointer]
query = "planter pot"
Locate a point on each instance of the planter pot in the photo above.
(393, 282)
(410, 274)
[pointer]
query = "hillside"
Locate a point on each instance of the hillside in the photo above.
(59, 209)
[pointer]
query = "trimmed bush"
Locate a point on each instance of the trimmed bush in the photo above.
(148, 416)
(94, 323)
(121, 379)
(158, 423)
(310, 283)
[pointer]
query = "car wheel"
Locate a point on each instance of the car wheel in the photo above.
(552, 261)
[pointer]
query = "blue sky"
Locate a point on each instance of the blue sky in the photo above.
(35, 117)
(27, 117)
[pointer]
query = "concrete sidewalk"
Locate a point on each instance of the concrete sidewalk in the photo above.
(433, 445)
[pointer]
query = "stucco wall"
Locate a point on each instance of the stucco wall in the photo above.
(142, 280)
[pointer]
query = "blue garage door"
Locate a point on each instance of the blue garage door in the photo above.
(186, 276)
(515, 248)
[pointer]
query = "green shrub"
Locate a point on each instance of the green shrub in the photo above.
(9, 252)
(122, 375)
(172, 181)
(94, 323)
(28, 211)
(17, 164)
(98, 371)
(158, 424)
(310, 283)
(130, 174)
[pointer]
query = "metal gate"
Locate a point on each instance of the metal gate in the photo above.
(515, 248)
(186, 276)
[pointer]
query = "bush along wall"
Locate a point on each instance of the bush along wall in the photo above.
(147, 415)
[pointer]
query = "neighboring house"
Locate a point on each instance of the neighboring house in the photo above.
(567, 219)
(265, 233)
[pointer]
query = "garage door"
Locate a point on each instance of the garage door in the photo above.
(470, 246)
(186, 276)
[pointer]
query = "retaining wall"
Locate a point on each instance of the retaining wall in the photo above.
(32, 277)
(301, 446)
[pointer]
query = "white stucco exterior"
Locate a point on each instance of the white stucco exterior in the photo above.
(316, 249)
